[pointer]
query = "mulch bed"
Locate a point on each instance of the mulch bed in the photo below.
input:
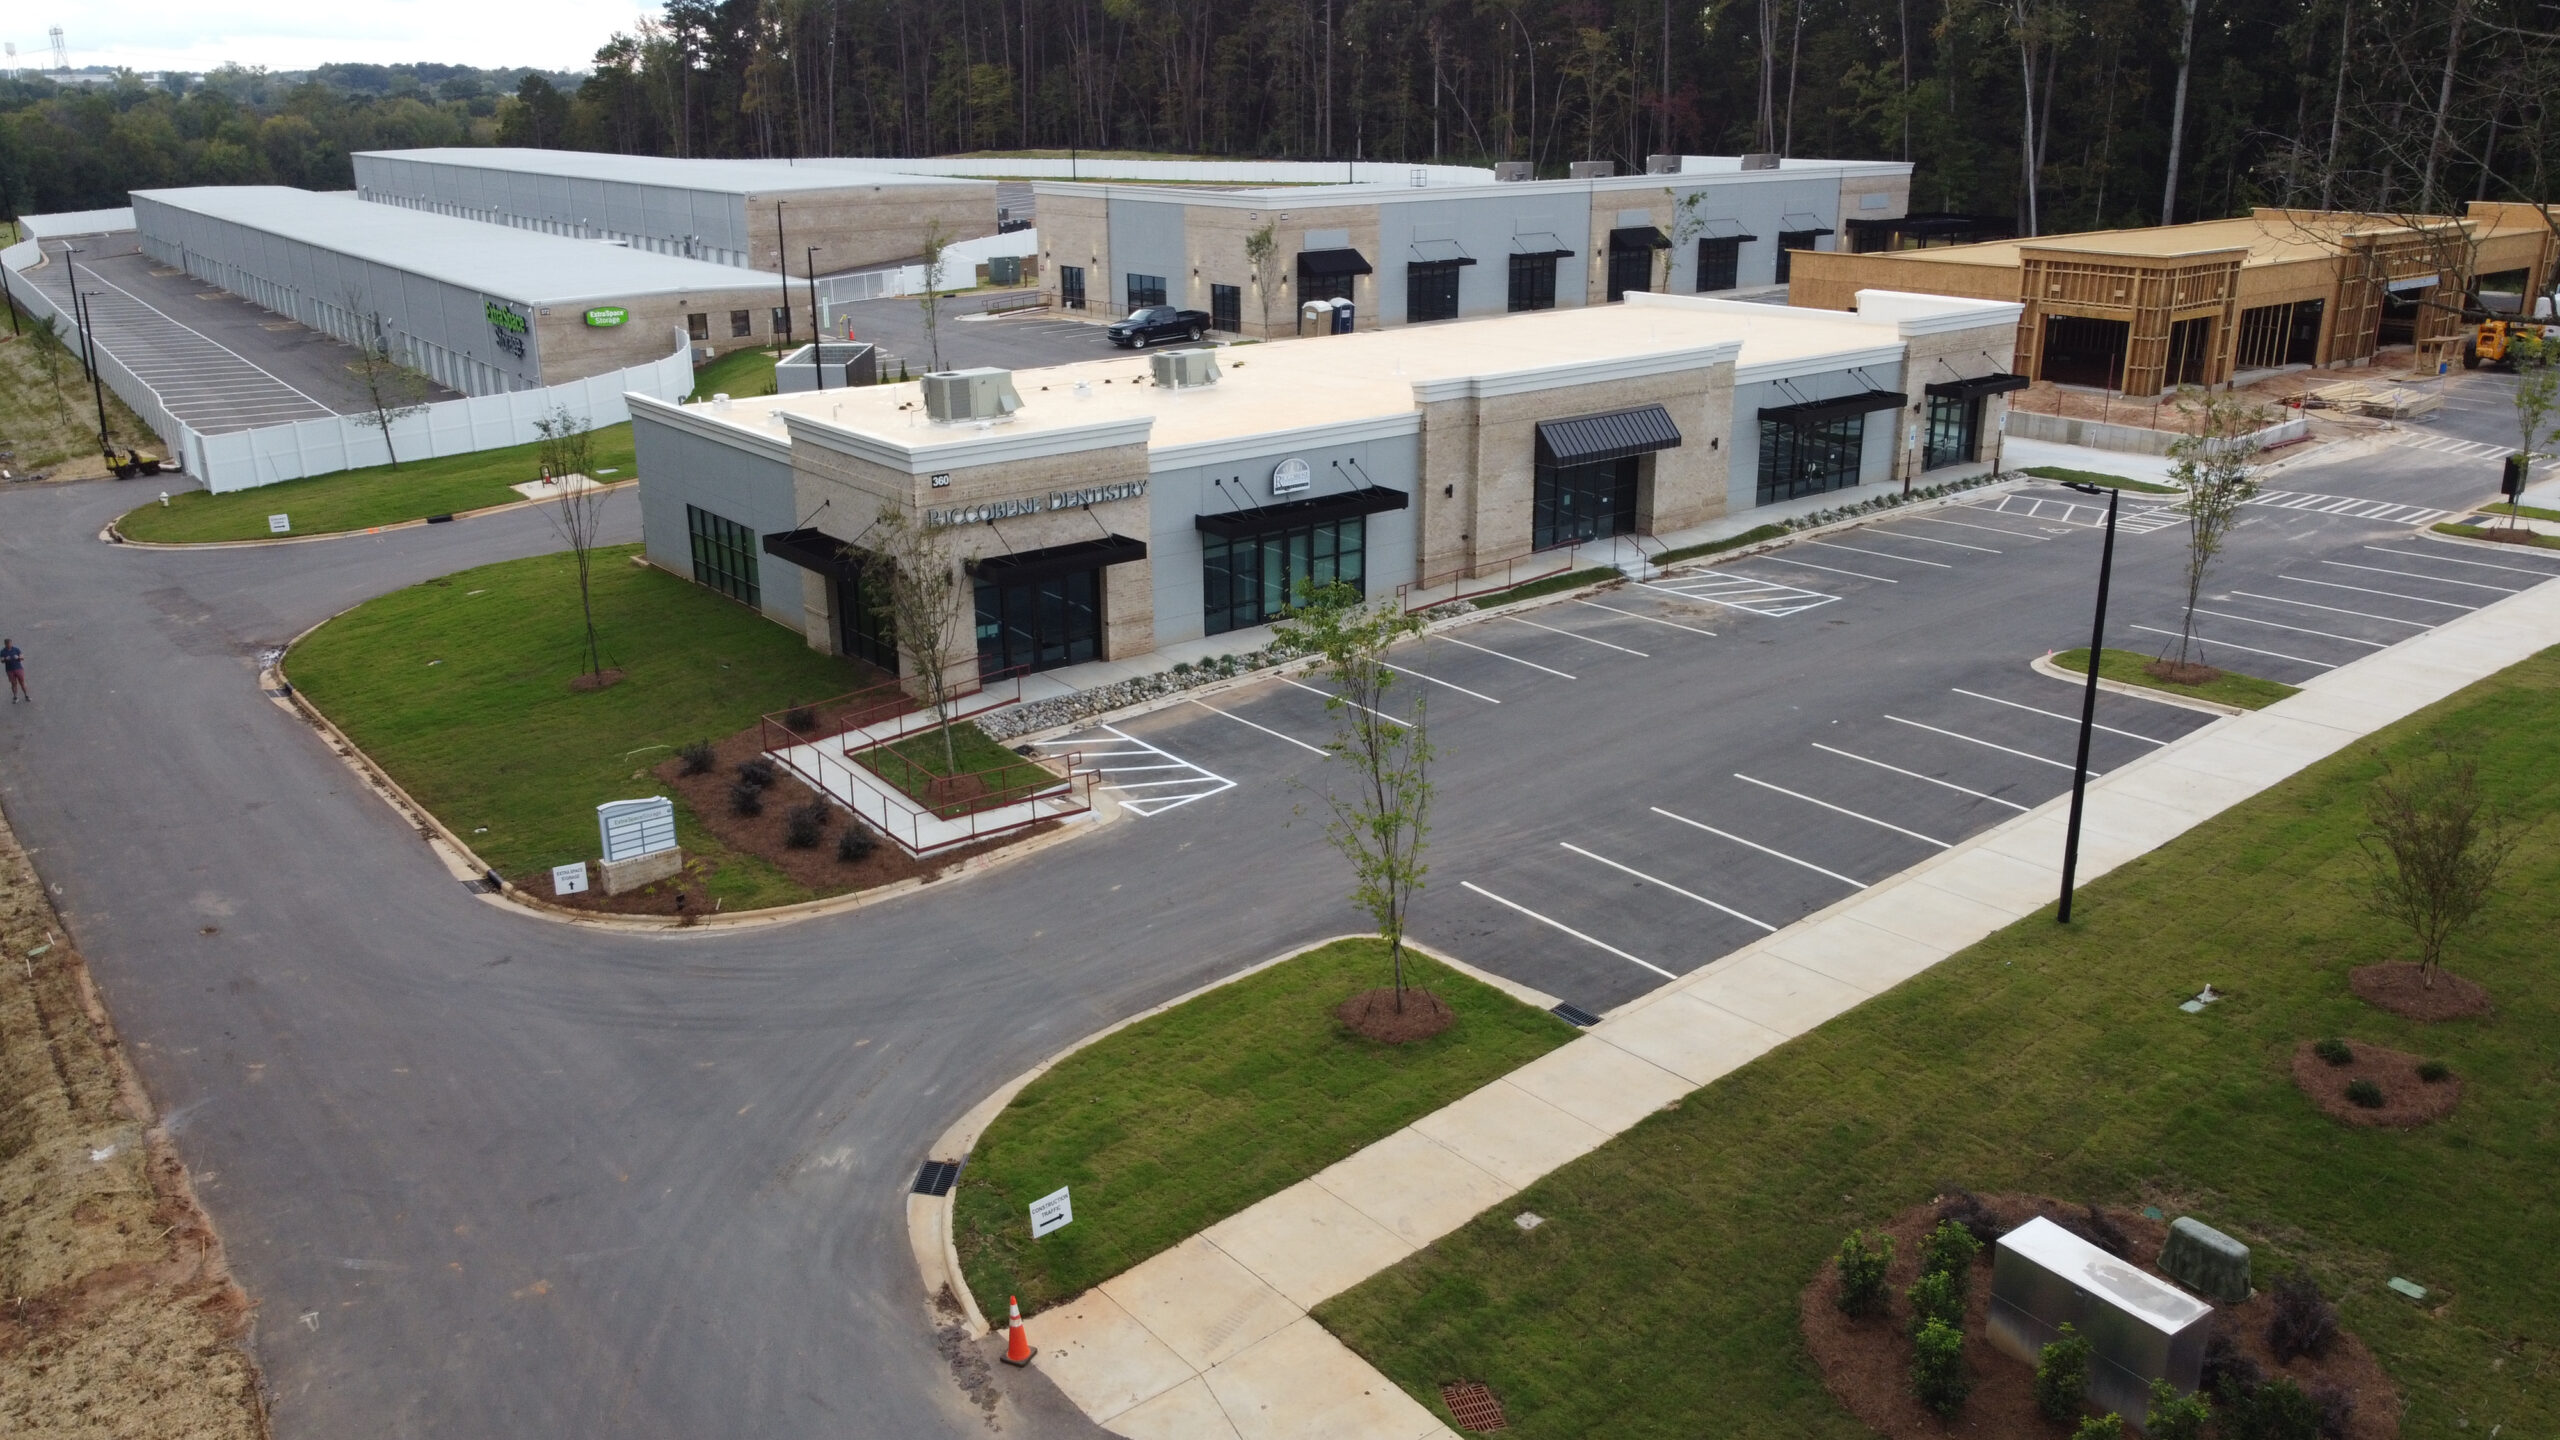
(2177, 674)
(817, 868)
(1372, 1014)
(1866, 1363)
(2408, 1100)
(600, 680)
(2398, 987)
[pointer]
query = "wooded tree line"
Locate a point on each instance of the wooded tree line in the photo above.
(2063, 114)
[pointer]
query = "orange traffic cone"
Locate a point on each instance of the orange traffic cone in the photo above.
(1017, 1341)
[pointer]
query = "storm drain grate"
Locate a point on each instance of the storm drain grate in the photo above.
(1472, 1405)
(937, 1176)
(1575, 1014)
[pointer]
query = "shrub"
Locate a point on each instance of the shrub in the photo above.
(2334, 1051)
(2175, 1416)
(1862, 1268)
(746, 799)
(2229, 1373)
(800, 720)
(2365, 1093)
(1968, 1210)
(802, 827)
(2434, 1071)
(1937, 1367)
(758, 772)
(2278, 1411)
(1949, 1251)
(1936, 1300)
(2109, 1426)
(2336, 1407)
(2303, 1322)
(854, 841)
(696, 758)
(2062, 1375)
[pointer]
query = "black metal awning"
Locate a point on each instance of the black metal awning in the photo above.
(1025, 566)
(1539, 245)
(1612, 435)
(813, 550)
(1976, 386)
(1329, 264)
(1238, 524)
(1813, 412)
(1639, 237)
(1727, 231)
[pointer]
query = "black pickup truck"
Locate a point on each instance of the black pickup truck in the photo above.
(1146, 326)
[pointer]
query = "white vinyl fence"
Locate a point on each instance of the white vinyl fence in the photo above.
(245, 459)
(960, 262)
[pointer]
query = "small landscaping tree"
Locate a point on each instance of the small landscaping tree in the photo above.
(577, 515)
(930, 300)
(2062, 1375)
(920, 594)
(1949, 1251)
(2217, 463)
(1937, 1367)
(1262, 253)
(2434, 851)
(2174, 1416)
(392, 391)
(1862, 1270)
(1382, 819)
(1935, 1299)
(2537, 394)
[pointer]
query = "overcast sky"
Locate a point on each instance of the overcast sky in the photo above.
(297, 34)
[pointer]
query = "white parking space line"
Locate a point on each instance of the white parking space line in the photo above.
(1842, 809)
(1933, 540)
(1585, 639)
(1880, 554)
(1985, 744)
(1265, 729)
(2037, 507)
(1199, 784)
(1667, 885)
(2243, 649)
(2056, 714)
(1735, 590)
(2350, 506)
(1639, 615)
(1354, 704)
(2452, 560)
(1569, 930)
(1829, 569)
(1916, 775)
(1994, 529)
(2296, 629)
(2385, 594)
(1436, 680)
(2431, 579)
(2334, 610)
(1756, 845)
(1498, 655)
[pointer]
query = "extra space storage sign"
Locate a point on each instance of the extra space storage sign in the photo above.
(508, 326)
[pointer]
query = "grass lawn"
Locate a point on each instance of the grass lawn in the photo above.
(376, 495)
(460, 689)
(1549, 585)
(2529, 512)
(971, 746)
(1179, 1121)
(51, 418)
(2246, 691)
(1659, 1299)
(738, 375)
(1752, 536)
(2476, 532)
(2092, 477)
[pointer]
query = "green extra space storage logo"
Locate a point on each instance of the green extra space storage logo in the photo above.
(605, 317)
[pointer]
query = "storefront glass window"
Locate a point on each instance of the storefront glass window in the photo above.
(1955, 429)
(1070, 287)
(1039, 624)
(1226, 308)
(1574, 503)
(1810, 458)
(724, 555)
(1533, 282)
(1431, 291)
(1246, 579)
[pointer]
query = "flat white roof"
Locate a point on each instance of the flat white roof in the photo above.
(732, 177)
(524, 265)
(2155, 1302)
(1694, 170)
(1372, 381)
(78, 222)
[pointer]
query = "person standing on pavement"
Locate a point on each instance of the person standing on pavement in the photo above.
(14, 660)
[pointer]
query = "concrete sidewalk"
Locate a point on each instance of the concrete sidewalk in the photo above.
(1212, 1338)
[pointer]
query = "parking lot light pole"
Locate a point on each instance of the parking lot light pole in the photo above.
(781, 262)
(817, 332)
(2088, 700)
(88, 347)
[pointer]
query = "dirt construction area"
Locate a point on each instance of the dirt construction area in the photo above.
(117, 1315)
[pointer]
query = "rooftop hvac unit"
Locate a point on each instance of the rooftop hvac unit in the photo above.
(1592, 169)
(1760, 160)
(1184, 369)
(984, 393)
(1507, 172)
(1662, 164)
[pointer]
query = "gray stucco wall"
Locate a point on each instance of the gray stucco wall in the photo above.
(1146, 239)
(1176, 496)
(1875, 459)
(1483, 227)
(1759, 209)
(679, 468)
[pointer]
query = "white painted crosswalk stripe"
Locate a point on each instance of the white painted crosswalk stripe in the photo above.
(1148, 781)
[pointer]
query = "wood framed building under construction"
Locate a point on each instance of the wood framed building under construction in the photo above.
(2144, 311)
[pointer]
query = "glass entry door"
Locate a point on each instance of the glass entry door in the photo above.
(1246, 579)
(1039, 624)
(1574, 503)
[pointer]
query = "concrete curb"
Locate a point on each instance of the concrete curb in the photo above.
(113, 536)
(929, 1217)
(2043, 665)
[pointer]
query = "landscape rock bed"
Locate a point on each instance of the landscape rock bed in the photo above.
(2409, 1099)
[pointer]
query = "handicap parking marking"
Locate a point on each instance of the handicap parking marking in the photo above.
(1149, 780)
(1737, 591)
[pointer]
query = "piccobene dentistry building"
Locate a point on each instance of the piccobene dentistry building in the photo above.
(1105, 509)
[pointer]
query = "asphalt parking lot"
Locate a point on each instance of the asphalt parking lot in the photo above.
(971, 337)
(217, 361)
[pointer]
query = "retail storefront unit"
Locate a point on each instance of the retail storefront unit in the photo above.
(1107, 515)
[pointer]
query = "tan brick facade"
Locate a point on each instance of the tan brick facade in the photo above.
(572, 349)
(871, 224)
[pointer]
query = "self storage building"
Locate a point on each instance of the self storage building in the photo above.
(2143, 311)
(483, 309)
(1399, 255)
(1104, 509)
